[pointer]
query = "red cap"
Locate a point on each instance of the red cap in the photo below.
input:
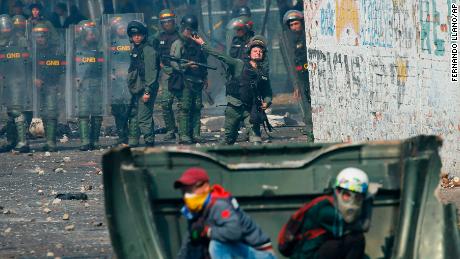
(192, 176)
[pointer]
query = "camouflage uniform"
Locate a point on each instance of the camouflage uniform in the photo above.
(190, 97)
(244, 83)
(166, 98)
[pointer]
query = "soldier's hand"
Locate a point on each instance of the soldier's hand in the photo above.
(296, 94)
(38, 83)
(197, 39)
(146, 97)
(264, 106)
(191, 65)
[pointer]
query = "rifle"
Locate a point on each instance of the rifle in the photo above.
(181, 60)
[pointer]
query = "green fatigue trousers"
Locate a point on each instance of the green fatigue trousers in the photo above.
(166, 100)
(141, 119)
(189, 104)
(234, 115)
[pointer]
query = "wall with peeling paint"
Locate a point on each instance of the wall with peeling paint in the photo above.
(381, 69)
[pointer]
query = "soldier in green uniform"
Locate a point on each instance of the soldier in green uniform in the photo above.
(143, 76)
(14, 66)
(86, 86)
(248, 90)
(194, 77)
(118, 63)
(242, 28)
(294, 20)
(48, 67)
(165, 40)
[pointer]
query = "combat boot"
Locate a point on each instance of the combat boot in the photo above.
(96, 122)
(50, 132)
(22, 146)
(170, 135)
(11, 136)
(84, 129)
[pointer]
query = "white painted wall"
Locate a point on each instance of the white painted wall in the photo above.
(381, 70)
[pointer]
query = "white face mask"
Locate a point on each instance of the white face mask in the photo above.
(349, 204)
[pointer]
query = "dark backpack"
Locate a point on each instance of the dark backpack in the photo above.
(290, 235)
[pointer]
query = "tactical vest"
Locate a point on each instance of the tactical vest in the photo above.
(193, 52)
(300, 53)
(164, 45)
(244, 87)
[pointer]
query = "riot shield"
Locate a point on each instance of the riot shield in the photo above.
(48, 76)
(15, 67)
(116, 54)
(84, 87)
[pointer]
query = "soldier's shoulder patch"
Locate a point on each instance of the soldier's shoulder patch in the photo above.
(225, 214)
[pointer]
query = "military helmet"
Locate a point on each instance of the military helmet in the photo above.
(257, 41)
(240, 23)
(40, 30)
(35, 5)
(292, 15)
(242, 11)
(6, 25)
(167, 15)
(19, 21)
(189, 21)
(117, 23)
(136, 27)
(84, 27)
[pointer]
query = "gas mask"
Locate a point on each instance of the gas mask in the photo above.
(194, 202)
(349, 204)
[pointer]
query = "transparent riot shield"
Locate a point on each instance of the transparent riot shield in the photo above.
(84, 87)
(116, 53)
(15, 67)
(48, 76)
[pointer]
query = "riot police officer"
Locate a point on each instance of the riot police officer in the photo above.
(194, 78)
(142, 83)
(248, 90)
(165, 40)
(87, 85)
(118, 62)
(294, 20)
(48, 68)
(15, 66)
(242, 28)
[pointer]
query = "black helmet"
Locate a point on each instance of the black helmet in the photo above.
(242, 11)
(136, 27)
(189, 21)
(35, 5)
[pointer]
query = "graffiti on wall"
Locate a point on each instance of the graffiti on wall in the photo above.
(376, 21)
(431, 28)
(347, 22)
(327, 19)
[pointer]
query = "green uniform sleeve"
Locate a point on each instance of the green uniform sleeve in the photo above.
(176, 51)
(151, 61)
(235, 65)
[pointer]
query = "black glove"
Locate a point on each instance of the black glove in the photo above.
(198, 231)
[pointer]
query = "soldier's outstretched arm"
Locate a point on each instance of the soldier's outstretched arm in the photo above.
(233, 63)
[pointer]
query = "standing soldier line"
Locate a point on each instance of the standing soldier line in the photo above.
(148, 70)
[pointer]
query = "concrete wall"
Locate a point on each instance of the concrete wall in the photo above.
(381, 70)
